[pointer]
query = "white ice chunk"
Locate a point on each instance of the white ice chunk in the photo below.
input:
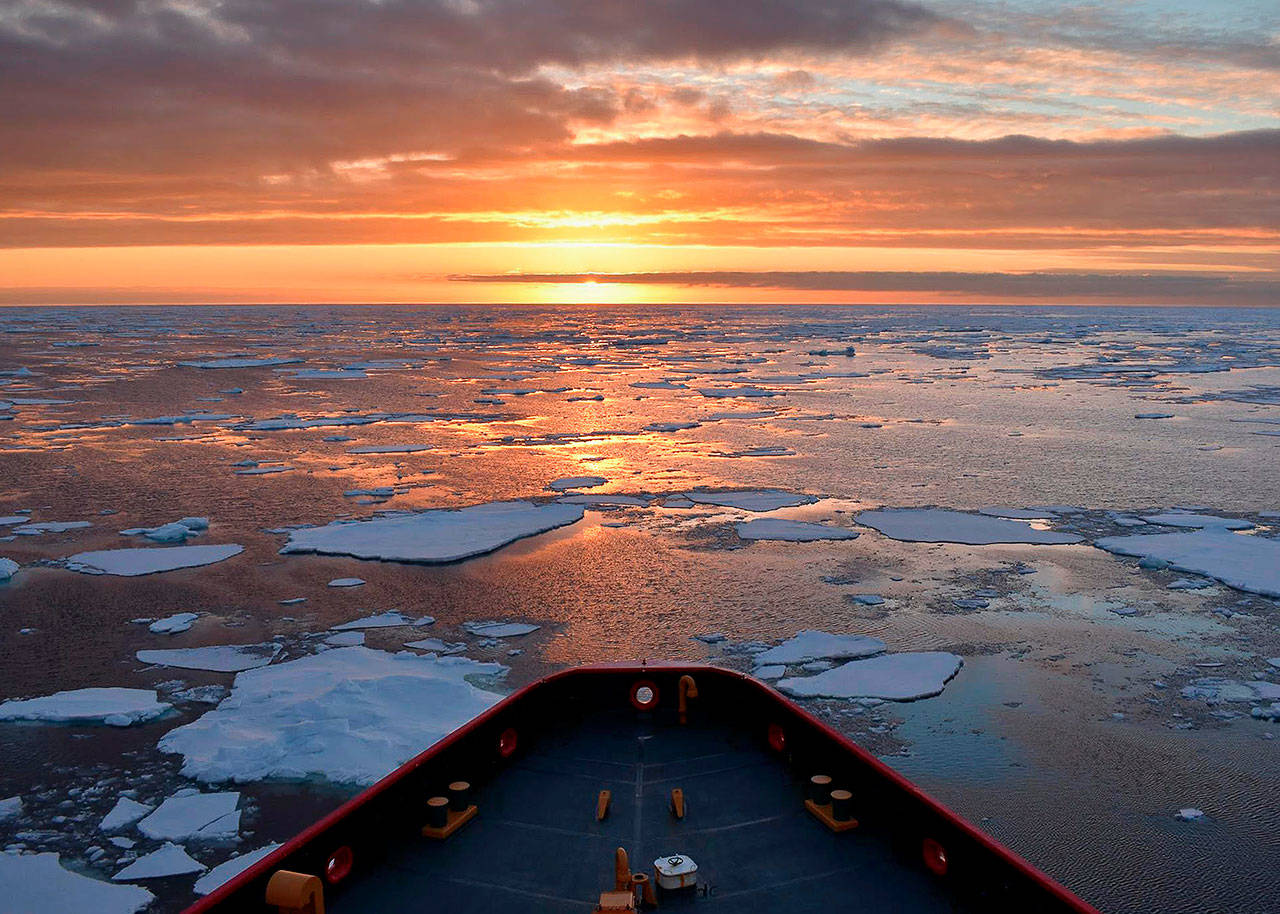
(816, 645)
(1190, 814)
(771, 672)
(1250, 563)
(125, 812)
(117, 707)
(346, 582)
(491, 629)
(194, 815)
(168, 860)
(435, 536)
(38, 884)
(793, 531)
(224, 872)
(349, 714)
(893, 677)
(52, 526)
(134, 562)
(938, 525)
(225, 658)
(751, 500)
(8, 568)
(172, 625)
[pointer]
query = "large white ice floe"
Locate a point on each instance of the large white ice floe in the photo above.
(168, 860)
(893, 677)
(224, 872)
(349, 715)
(201, 816)
(816, 645)
(939, 525)
(8, 568)
(751, 500)
(1242, 561)
(135, 562)
(440, 535)
(10, 808)
(112, 706)
(38, 884)
(1197, 521)
(222, 658)
(794, 531)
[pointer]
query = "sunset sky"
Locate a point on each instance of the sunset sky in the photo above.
(639, 151)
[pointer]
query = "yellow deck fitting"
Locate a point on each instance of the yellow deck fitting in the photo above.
(621, 871)
(687, 689)
(615, 902)
(677, 803)
(602, 804)
(457, 819)
(823, 814)
(295, 893)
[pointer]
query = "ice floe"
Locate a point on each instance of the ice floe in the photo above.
(1213, 690)
(816, 645)
(1245, 562)
(191, 815)
(125, 812)
(751, 499)
(51, 526)
(383, 620)
(345, 639)
(390, 448)
(113, 706)
(1189, 814)
(939, 525)
(8, 568)
(239, 361)
(346, 582)
(168, 860)
(774, 528)
(224, 872)
(39, 884)
(576, 482)
(438, 646)
(10, 808)
(135, 562)
(440, 535)
(892, 677)
(491, 629)
(1197, 521)
(230, 658)
(172, 625)
(348, 714)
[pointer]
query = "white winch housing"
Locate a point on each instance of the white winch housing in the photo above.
(676, 871)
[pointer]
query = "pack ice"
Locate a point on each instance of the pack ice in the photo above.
(113, 706)
(1242, 561)
(893, 677)
(349, 715)
(135, 562)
